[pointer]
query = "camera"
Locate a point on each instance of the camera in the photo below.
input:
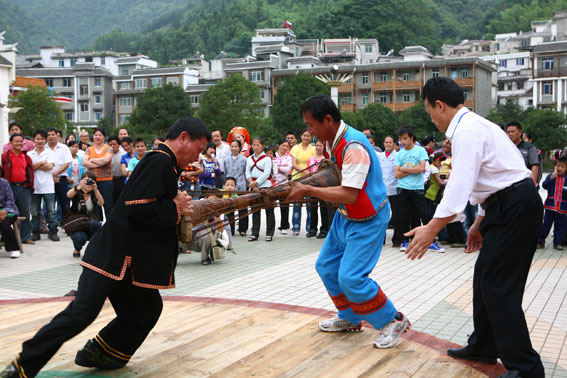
(90, 181)
(442, 177)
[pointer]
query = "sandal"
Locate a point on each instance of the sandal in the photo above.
(268, 238)
(76, 253)
(252, 238)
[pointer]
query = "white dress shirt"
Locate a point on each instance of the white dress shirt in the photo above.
(62, 156)
(485, 161)
(43, 180)
(222, 153)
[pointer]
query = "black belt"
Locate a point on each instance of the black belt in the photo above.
(493, 199)
(18, 183)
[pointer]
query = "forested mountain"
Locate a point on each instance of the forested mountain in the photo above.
(172, 29)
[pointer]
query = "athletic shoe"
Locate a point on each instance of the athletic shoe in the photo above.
(404, 246)
(53, 236)
(390, 335)
(434, 247)
(295, 233)
(558, 247)
(36, 236)
(284, 232)
(337, 324)
(15, 254)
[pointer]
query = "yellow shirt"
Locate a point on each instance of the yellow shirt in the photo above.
(302, 157)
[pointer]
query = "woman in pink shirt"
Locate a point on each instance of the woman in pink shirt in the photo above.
(284, 164)
(322, 205)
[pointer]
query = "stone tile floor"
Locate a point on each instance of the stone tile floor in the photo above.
(435, 293)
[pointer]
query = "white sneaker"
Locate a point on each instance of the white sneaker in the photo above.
(390, 335)
(15, 254)
(284, 232)
(337, 324)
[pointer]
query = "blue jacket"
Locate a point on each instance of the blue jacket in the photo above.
(556, 194)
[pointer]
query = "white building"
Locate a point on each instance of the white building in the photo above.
(7, 77)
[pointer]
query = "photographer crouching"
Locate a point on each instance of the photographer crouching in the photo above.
(80, 220)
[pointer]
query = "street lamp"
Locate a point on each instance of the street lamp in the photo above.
(335, 80)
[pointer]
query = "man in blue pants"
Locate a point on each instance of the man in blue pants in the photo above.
(353, 245)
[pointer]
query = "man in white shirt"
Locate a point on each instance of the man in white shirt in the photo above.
(63, 158)
(490, 170)
(222, 152)
(43, 160)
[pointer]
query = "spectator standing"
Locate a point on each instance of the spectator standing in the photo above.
(115, 164)
(322, 205)
(285, 165)
(98, 158)
(189, 179)
(555, 205)
(76, 167)
(387, 162)
(140, 147)
(222, 152)
(210, 166)
(528, 150)
(17, 168)
(62, 160)
(15, 128)
(370, 136)
(300, 155)
(428, 142)
(8, 215)
(127, 145)
(85, 139)
(291, 138)
(156, 142)
(43, 160)
(235, 166)
(527, 137)
(241, 134)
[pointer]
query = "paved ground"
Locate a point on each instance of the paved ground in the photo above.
(435, 293)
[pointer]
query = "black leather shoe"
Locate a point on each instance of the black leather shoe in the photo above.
(310, 234)
(92, 356)
(511, 374)
(206, 262)
(321, 235)
(468, 353)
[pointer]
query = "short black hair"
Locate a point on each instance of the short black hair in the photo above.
(192, 126)
(157, 138)
(405, 129)
(41, 132)
(15, 135)
(370, 137)
(59, 132)
(71, 143)
(443, 89)
(51, 129)
(283, 141)
(426, 140)
(127, 140)
(210, 145)
(219, 130)
(230, 178)
(390, 136)
(260, 139)
(98, 129)
(139, 140)
(516, 124)
(562, 159)
(291, 133)
(319, 106)
(14, 124)
(113, 137)
(239, 144)
(528, 135)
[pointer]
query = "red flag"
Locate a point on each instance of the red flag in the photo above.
(287, 25)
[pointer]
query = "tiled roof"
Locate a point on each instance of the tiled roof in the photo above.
(22, 81)
(550, 47)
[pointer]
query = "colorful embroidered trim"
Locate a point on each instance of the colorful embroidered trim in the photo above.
(372, 305)
(165, 153)
(150, 286)
(127, 261)
(178, 212)
(340, 301)
(140, 201)
(20, 369)
(113, 352)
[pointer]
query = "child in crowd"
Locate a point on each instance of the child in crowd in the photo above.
(140, 148)
(284, 164)
(322, 205)
(235, 166)
(189, 179)
(76, 167)
(436, 184)
(230, 186)
(555, 205)
(211, 167)
(258, 171)
(269, 150)
(409, 169)
(127, 145)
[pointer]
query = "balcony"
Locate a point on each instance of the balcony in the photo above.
(553, 72)
(346, 88)
(469, 103)
(401, 84)
(383, 85)
(469, 81)
(347, 107)
(400, 106)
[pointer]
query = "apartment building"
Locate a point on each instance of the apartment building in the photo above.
(550, 75)
(7, 77)
(513, 79)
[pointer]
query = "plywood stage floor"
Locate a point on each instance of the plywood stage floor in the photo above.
(201, 337)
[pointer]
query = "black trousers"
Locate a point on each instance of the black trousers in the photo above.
(8, 234)
(117, 186)
(510, 232)
(284, 212)
(322, 207)
(137, 311)
(397, 237)
(412, 208)
(270, 219)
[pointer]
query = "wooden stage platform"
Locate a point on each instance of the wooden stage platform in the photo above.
(201, 337)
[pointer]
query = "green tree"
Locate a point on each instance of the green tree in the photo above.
(231, 102)
(378, 118)
(547, 128)
(420, 122)
(157, 109)
(38, 110)
(289, 98)
(105, 124)
(505, 113)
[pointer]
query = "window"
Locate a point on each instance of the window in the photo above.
(256, 76)
(124, 85)
(97, 116)
(503, 63)
(406, 76)
(406, 97)
(464, 73)
(498, 47)
(509, 86)
(84, 90)
(73, 62)
(156, 82)
(84, 106)
(520, 85)
(103, 61)
(365, 78)
(349, 81)
(125, 101)
(364, 98)
(123, 118)
(466, 95)
(67, 82)
(97, 81)
(97, 99)
(141, 83)
(435, 73)
(194, 99)
(89, 59)
(547, 63)
(346, 98)
(547, 88)
(383, 99)
(48, 82)
(500, 86)
(172, 80)
(262, 94)
(61, 63)
(519, 61)
(68, 116)
(383, 77)
(125, 71)
(454, 73)
(367, 48)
